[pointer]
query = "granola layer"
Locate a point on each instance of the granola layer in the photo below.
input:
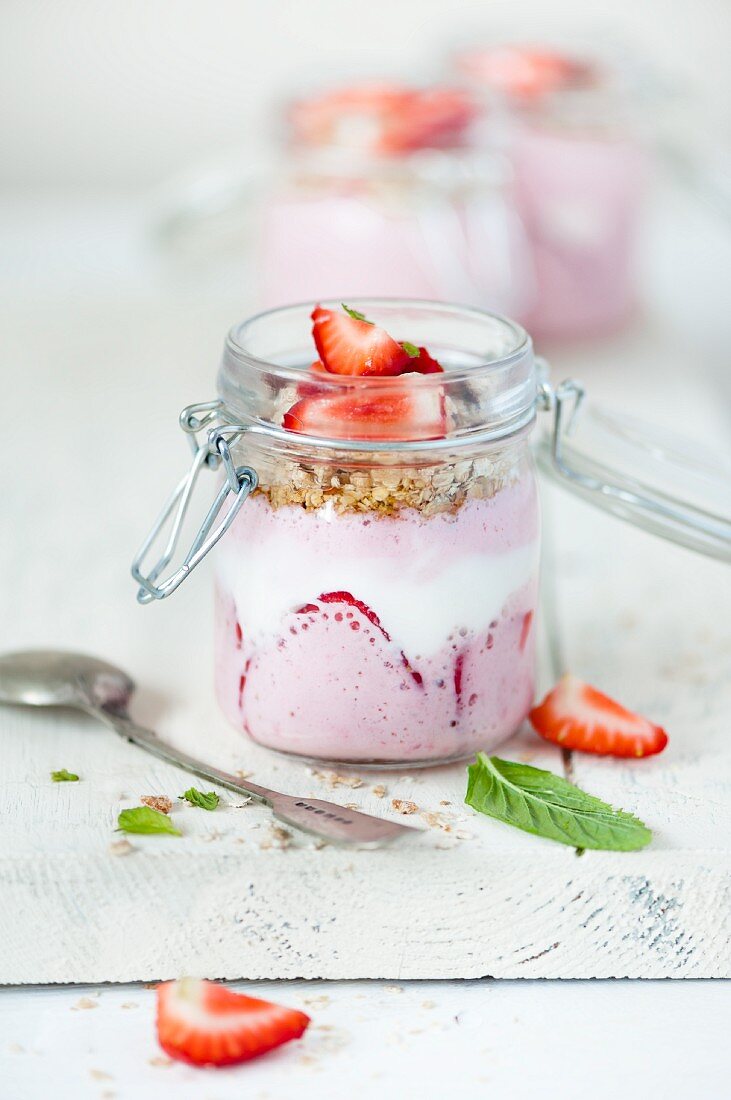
(383, 490)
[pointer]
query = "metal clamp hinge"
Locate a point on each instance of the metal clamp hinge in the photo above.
(240, 481)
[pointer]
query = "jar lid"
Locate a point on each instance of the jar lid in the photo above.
(652, 477)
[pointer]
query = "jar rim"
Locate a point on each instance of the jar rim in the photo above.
(261, 358)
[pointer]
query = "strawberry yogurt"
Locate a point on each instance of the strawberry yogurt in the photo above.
(394, 639)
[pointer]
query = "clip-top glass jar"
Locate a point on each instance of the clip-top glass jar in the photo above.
(375, 600)
(376, 586)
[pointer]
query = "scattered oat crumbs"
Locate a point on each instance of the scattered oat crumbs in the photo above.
(243, 775)
(16, 1048)
(149, 985)
(444, 802)
(436, 820)
(333, 779)
(404, 806)
(462, 834)
(121, 847)
(352, 806)
(379, 791)
(428, 1004)
(157, 802)
(393, 989)
(129, 1004)
(278, 837)
(158, 1060)
(100, 1075)
(84, 1002)
(322, 1001)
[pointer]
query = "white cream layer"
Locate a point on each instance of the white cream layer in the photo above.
(420, 609)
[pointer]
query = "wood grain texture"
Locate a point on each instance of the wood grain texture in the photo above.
(641, 619)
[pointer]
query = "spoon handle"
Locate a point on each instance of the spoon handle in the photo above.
(327, 820)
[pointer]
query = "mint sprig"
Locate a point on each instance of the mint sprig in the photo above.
(63, 776)
(207, 800)
(411, 349)
(355, 314)
(544, 804)
(143, 819)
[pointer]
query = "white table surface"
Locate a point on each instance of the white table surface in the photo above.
(425, 1039)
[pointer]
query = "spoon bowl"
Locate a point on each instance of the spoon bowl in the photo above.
(56, 678)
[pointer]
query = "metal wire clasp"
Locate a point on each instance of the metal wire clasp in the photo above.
(213, 451)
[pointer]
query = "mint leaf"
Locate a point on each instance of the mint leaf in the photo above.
(546, 805)
(143, 819)
(411, 349)
(63, 776)
(354, 313)
(206, 800)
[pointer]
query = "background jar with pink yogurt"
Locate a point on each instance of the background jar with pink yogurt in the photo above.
(568, 123)
(375, 601)
(378, 189)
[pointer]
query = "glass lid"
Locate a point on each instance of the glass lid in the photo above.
(658, 480)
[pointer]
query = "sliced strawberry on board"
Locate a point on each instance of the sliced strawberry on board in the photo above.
(577, 716)
(409, 413)
(207, 1024)
(348, 345)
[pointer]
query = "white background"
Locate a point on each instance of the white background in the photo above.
(121, 93)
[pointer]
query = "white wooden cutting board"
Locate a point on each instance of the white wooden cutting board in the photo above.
(468, 896)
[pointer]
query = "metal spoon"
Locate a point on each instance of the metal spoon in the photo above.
(52, 678)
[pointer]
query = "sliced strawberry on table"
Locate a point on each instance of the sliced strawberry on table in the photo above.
(415, 411)
(207, 1024)
(577, 716)
(348, 344)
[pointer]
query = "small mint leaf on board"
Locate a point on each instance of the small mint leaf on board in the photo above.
(355, 314)
(143, 819)
(411, 349)
(62, 776)
(207, 800)
(544, 804)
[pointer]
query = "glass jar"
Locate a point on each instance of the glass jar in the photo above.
(371, 190)
(380, 193)
(375, 599)
(568, 124)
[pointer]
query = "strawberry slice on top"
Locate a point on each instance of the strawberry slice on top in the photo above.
(577, 716)
(415, 411)
(207, 1024)
(349, 344)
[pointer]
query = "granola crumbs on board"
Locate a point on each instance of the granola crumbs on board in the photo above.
(404, 806)
(121, 847)
(379, 791)
(157, 802)
(334, 780)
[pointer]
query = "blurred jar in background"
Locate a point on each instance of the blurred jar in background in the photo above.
(381, 192)
(566, 124)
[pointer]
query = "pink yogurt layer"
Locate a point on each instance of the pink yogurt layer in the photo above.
(331, 678)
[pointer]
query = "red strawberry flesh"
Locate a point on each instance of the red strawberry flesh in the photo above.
(577, 716)
(347, 345)
(206, 1024)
